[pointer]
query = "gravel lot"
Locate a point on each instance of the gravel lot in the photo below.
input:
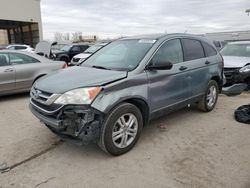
(195, 150)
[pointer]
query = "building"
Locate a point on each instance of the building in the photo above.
(21, 22)
(229, 36)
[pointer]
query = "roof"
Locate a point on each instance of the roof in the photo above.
(160, 35)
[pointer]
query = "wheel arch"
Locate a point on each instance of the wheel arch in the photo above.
(140, 103)
(39, 76)
(219, 82)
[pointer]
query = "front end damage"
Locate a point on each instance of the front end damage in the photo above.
(80, 124)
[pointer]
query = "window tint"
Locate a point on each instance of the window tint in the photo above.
(4, 59)
(16, 58)
(209, 50)
(170, 51)
(192, 49)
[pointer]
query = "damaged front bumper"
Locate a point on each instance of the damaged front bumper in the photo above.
(80, 124)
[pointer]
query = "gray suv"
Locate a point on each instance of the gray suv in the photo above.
(115, 92)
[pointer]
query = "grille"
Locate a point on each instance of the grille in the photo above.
(230, 74)
(46, 108)
(40, 95)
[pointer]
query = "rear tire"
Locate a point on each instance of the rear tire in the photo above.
(209, 100)
(121, 129)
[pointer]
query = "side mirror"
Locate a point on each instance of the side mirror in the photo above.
(160, 65)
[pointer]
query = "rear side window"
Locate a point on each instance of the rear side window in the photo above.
(84, 47)
(16, 58)
(192, 49)
(20, 47)
(209, 50)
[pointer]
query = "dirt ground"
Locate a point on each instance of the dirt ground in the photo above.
(195, 150)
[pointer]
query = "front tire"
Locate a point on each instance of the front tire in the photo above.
(209, 100)
(121, 129)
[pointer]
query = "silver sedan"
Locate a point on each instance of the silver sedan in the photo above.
(19, 70)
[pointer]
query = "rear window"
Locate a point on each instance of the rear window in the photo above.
(20, 47)
(209, 50)
(192, 49)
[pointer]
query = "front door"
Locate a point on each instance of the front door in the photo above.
(168, 87)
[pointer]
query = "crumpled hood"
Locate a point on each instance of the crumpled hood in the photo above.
(235, 61)
(77, 77)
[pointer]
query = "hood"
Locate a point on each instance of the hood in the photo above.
(77, 77)
(82, 55)
(235, 61)
(43, 48)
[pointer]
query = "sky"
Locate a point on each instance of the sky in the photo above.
(115, 18)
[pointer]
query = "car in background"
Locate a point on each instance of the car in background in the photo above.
(3, 46)
(110, 97)
(19, 70)
(237, 62)
(21, 47)
(77, 59)
(67, 52)
(219, 44)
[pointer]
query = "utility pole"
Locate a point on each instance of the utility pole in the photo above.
(248, 11)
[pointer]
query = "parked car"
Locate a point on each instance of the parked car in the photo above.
(21, 47)
(219, 44)
(117, 90)
(77, 59)
(237, 62)
(19, 70)
(68, 51)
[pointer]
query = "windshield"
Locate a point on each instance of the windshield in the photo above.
(242, 50)
(120, 55)
(66, 48)
(93, 49)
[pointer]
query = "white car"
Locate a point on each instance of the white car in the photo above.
(82, 56)
(21, 47)
(237, 62)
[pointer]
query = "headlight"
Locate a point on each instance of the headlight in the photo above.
(245, 69)
(79, 96)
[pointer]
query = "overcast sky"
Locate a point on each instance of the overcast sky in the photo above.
(112, 18)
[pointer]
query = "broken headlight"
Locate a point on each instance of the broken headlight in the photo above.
(245, 69)
(79, 96)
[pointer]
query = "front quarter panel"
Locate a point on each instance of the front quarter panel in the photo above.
(117, 92)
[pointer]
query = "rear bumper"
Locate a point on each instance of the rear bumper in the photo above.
(79, 124)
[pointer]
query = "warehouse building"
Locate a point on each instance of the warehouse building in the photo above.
(20, 22)
(229, 36)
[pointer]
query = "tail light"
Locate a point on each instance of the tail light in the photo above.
(65, 66)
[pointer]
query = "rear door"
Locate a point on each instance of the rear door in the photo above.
(168, 87)
(7, 74)
(26, 68)
(194, 56)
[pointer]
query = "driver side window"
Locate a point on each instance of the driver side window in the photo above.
(170, 51)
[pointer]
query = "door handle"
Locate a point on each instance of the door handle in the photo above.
(9, 70)
(207, 62)
(182, 68)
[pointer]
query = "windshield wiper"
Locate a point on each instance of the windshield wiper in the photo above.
(100, 67)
